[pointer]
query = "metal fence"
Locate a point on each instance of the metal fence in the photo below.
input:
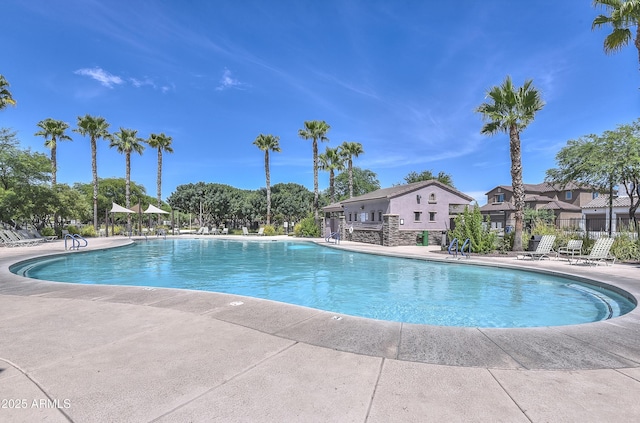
(593, 227)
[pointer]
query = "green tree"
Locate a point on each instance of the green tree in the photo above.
(126, 141)
(331, 161)
(162, 143)
(267, 143)
(6, 99)
(427, 175)
(364, 181)
(471, 225)
(350, 150)
(511, 110)
(291, 202)
(53, 131)
(315, 130)
(623, 16)
(94, 127)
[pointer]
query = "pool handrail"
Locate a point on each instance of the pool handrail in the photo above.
(75, 241)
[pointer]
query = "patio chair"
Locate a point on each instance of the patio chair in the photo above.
(599, 253)
(225, 231)
(261, 232)
(245, 231)
(573, 248)
(11, 239)
(35, 234)
(545, 247)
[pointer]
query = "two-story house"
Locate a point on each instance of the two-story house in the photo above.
(565, 202)
(397, 215)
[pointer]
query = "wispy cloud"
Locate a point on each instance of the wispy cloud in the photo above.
(228, 81)
(105, 78)
(109, 80)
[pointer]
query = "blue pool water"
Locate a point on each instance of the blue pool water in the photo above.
(379, 287)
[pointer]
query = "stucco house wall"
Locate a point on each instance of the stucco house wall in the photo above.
(398, 215)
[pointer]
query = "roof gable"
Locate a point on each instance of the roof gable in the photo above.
(399, 190)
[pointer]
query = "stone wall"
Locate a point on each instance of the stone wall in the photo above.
(390, 235)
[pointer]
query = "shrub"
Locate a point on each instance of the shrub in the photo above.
(470, 224)
(625, 247)
(269, 230)
(307, 227)
(47, 232)
(73, 229)
(87, 231)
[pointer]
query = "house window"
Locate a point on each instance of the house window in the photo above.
(349, 217)
(568, 195)
(432, 216)
(416, 216)
(499, 198)
(380, 215)
(373, 216)
(594, 195)
(432, 198)
(418, 198)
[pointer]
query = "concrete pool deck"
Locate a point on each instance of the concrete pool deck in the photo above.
(88, 353)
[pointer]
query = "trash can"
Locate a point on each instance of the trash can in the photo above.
(425, 237)
(533, 242)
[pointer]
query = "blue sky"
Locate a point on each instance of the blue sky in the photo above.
(403, 78)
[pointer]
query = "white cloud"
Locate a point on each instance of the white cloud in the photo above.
(105, 78)
(228, 81)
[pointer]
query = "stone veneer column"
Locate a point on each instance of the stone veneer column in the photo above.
(390, 230)
(343, 227)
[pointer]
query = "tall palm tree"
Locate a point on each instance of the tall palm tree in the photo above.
(510, 111)
(95, 127)
(351, 150)
(331, 161)
(162, 143)
(53, 131)
(125, 142)
(315, 130)
(6, 99)
(268, 143)
(623, 15)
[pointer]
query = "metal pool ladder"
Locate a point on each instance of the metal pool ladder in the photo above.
(453, 248)
(76, 241)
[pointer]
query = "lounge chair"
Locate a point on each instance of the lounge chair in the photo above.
(573, 248)
(261, 232)
(545, 247)
(225, 231)
(11, 239)
(599, 253)
(245, 231)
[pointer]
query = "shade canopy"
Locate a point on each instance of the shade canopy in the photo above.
(154, 209)
(116, 208)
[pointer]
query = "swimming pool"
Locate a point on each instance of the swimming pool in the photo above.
(379, 287)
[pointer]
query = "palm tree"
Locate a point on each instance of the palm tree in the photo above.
(125, 142)
(6, 99)
(162, 143)
(95, 127)
(330, 161)
(315, 130)
(351, 150)
(53, 131)
(510, 111)
(268, 143)
(624, 15)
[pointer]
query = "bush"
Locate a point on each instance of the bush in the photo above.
(73, 229)
(269, 230)
(87, 231)
(307, 227)
(47, 232)
(470, 224)
(625, 247)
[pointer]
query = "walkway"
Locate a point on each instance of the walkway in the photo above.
(87, 353)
